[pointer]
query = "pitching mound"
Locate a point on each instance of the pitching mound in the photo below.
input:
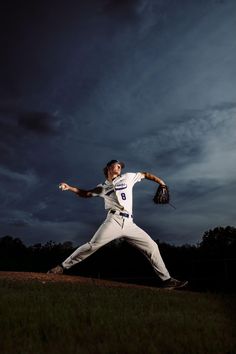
(55, 278)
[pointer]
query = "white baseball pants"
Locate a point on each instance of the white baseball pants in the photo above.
(116, 226)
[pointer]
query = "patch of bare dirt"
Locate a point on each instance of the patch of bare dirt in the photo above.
(56, 278)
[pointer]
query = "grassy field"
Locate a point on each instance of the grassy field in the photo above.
(64, 318)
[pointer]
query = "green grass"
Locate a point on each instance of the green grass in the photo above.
(64, 318)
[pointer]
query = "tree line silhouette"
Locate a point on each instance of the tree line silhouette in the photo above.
(209, 265)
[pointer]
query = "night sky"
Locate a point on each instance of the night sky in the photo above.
(149, 82)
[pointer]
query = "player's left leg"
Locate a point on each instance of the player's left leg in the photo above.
(141, 240)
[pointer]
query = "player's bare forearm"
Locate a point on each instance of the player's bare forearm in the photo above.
(153, 178)
(88, 194)
(81, 192)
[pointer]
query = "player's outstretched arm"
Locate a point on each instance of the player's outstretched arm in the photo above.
(153, 178)
(80, 192)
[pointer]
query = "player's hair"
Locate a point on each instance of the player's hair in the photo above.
(105, 170)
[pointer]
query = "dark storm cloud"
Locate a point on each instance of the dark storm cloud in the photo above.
(13, 119)
(38, 122)
(20, 131)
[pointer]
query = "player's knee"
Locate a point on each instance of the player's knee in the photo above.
(86, 247)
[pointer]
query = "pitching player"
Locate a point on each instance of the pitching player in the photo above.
(117, 192)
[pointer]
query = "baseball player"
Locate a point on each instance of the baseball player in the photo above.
(117, 193)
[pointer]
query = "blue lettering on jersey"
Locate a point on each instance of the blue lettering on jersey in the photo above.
(120, 186)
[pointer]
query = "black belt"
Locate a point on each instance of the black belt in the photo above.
(120, 213)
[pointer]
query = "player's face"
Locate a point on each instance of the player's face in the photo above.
(115, 168)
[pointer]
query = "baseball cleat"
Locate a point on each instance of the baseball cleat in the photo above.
(57, 270)
(174, 284)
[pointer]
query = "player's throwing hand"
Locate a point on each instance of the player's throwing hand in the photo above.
(64, 186)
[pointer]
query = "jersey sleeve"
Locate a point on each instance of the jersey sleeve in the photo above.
(98, 191)
(135, 177)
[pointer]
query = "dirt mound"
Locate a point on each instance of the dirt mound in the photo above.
(55, 278)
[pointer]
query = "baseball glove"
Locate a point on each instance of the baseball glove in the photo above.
(162, 195)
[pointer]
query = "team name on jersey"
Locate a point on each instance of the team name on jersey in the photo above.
(120, 186)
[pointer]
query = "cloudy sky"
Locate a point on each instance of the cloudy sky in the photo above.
(149, 82)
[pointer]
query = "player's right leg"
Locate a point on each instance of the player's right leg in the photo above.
(108, 231)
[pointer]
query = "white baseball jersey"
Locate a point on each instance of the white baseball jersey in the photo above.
(118, 193)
